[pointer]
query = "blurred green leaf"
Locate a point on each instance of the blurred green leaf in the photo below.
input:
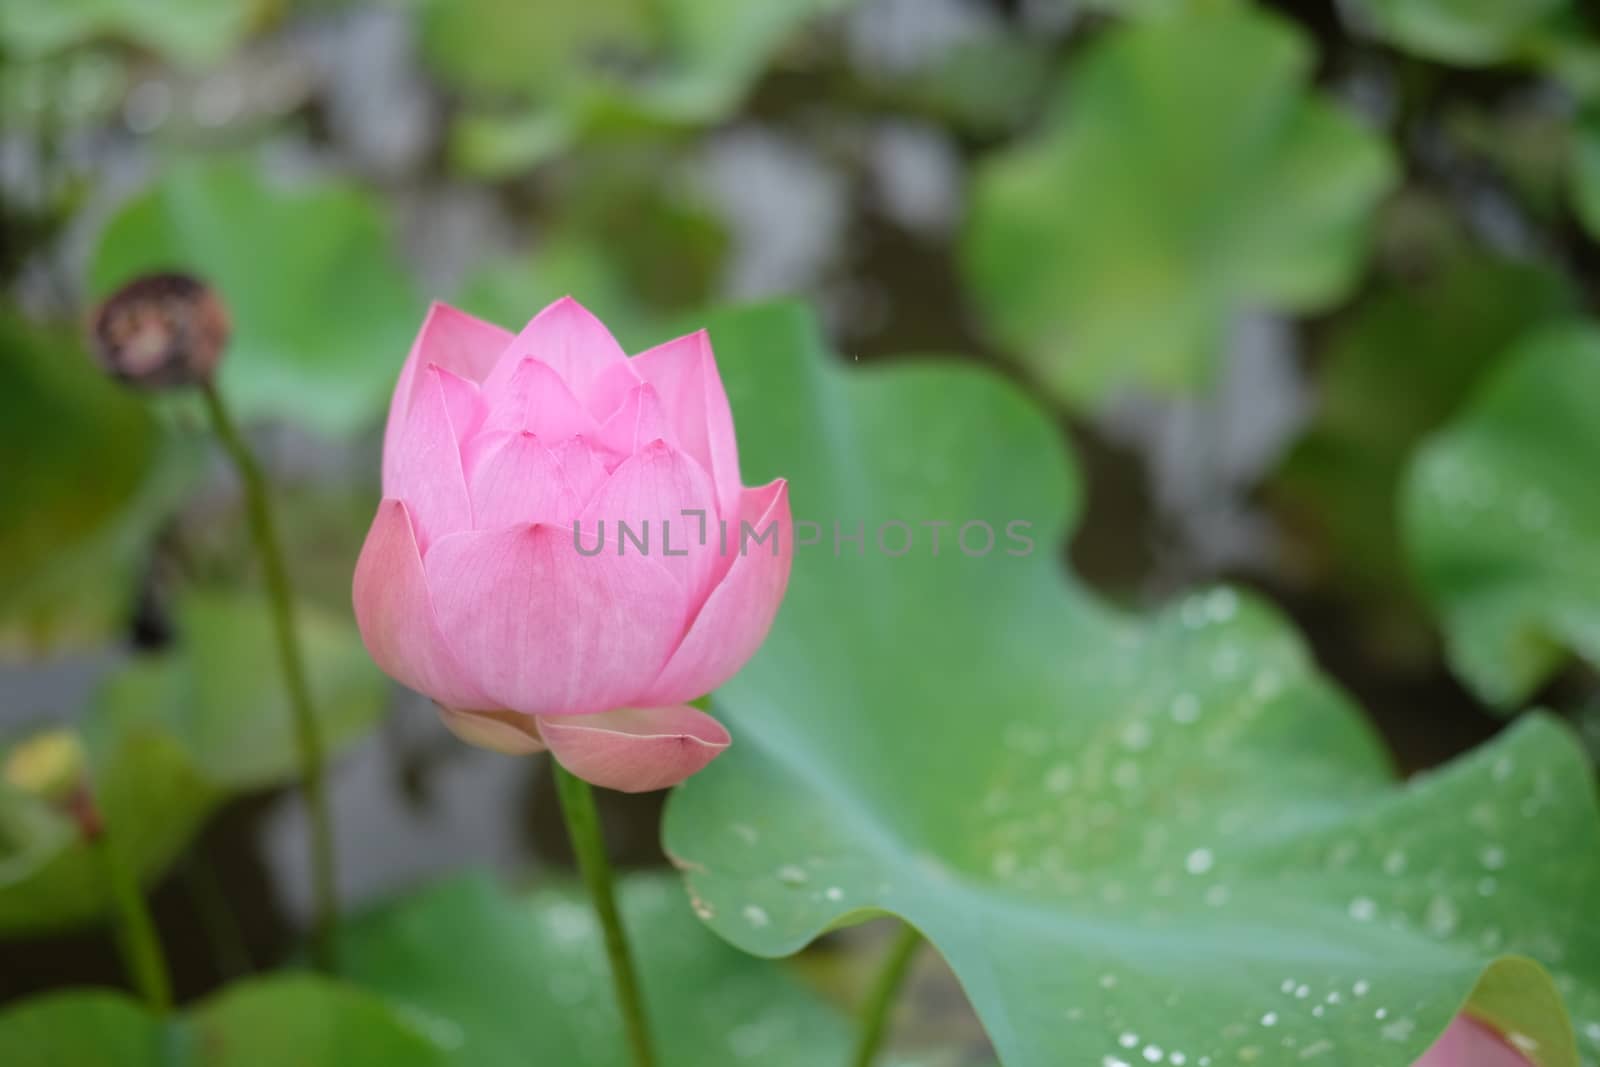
(270, 1022)
(51, 94)
(89, 477)
(1185, 177)
(641, 254)
(222, 696)
(985, 84)
(1171, 829)
(153, 802)
(322, 313)
(1502, 520)
(544, 75)
(193, 33)
(525, 981)
(1400, 367)
(169, 739)
(1585, 171)
(1469, 32)
(510, 291)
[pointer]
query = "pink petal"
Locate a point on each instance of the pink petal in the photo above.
(516, 480)
(740, 610)
(583, 466)
(636, 422)
(509, 732)
(684, 374)
(534, 398)
(426, 459)
(466, 346)
(649, 493)
(396, 614)
(635, 750)
(610, 388)
(546, 630)
(570, 341)
(1469, 1043)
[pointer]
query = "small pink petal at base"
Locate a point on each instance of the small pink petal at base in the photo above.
(635, 750)
(509, 732)
(1469, 1043)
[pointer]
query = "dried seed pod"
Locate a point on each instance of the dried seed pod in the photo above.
(161, 330)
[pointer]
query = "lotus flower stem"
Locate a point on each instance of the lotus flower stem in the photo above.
(583, 826)
(885, 989)
(136, 935)
(308, 737)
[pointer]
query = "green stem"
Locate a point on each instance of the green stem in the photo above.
(583, 826)
(875, 1013)
(135, 930)
(223, 932)
(258, 504)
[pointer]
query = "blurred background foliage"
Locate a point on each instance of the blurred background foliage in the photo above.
(1303, 281)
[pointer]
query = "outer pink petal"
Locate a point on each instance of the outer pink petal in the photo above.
(740, 610)
(650, 492)
(547, 631)
(639, 420)
(427, 471)
(517, 480)
(568, 339)
(1468, 1043)
(635, 750)
(396, 614)
(684, 373)
(509, 732)
(533, 397)
(462, 344)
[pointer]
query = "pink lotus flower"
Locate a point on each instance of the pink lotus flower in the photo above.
(486, 581)
(1469, 1043)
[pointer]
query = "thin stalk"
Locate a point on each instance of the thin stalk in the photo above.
(308, 738)
(136, 935)
(583, 826)
(223, 932)
(881, 1000)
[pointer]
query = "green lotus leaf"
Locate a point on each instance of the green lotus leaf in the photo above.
(1502, 521)
(508, 980)
(168, 739)
(268, 1022)
(1133, 840)
(1185, 176)
(1468, 32)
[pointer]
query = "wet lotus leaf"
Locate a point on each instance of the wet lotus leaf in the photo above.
(1185, 176)
(1502, 520)
(509, 981)
(1134, 840)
